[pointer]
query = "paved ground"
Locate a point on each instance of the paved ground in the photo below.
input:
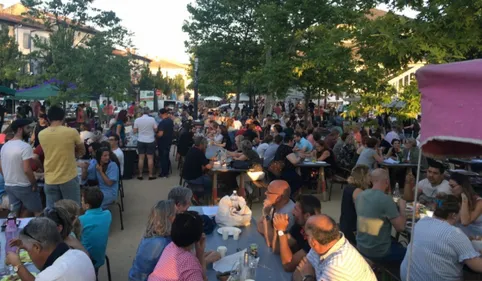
(140, 196)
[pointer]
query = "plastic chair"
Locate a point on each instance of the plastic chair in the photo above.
(116, 202)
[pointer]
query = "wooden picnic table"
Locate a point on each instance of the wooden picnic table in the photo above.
(321, 183)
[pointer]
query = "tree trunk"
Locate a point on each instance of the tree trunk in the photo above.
(307, 100)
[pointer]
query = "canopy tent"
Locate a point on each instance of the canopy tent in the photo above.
(396, 104)
(451, 102)
(6, 91)
(39, 92)
(212, 98)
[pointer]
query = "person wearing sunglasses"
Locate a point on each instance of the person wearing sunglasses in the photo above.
(56, 261)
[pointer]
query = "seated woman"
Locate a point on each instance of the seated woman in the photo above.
(253, 163)
(89, 177)
(440, 249)
(183, 259)
(395, 152)
(286, 160)
(222, 138)
(358, 181)
(156, 237)
(323, 153)
(73, 209)
(471, 206)
(107, 174)
(348, 156)
(370, 155)
(61, 217)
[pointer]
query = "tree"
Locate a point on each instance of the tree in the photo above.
(222, 35)
(74, 26)
(178, 84)
(11, 60)
(147, 81)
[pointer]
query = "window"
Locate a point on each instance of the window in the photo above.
(26, 41)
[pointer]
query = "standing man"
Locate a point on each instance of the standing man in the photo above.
(146, 127)
(165, 131)
(61, 145)
(109, 110)
(20, 182)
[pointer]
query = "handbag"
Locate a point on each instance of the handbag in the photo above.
(276, 167)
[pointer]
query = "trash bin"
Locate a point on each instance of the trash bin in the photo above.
(130, 158)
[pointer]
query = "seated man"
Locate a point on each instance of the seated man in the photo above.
(434, 183)
(293, 245)
(302, 144)
(331, 257)
(377, 213)
(56, 260)
(277, 202)
(196, 164)
(95, 225)
(182, 197)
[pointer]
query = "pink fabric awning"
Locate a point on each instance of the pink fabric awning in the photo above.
(451, 109)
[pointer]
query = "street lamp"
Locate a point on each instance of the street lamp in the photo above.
(196, 90)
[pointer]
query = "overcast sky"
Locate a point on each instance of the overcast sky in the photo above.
(157, 24)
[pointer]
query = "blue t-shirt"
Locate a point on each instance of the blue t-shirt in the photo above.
(110, 192)
(95, 233)
(148, 254)
(304, 143)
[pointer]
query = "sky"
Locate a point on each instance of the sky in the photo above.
(156, 24)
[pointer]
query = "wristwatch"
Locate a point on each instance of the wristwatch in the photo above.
(281, 233)
(15, 268)
(308, 278)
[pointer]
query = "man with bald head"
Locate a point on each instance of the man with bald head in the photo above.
(377, 213)
(277, 202)
(331, 257)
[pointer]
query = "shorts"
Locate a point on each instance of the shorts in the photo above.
(18, 195)
(146, 148)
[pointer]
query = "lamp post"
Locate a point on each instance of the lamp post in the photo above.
(196, 84)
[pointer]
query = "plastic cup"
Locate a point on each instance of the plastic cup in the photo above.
(225, 234)
(222, 251)
(236, 235)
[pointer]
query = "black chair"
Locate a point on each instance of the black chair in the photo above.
(116, 202)
(121, 192)
(107, 263)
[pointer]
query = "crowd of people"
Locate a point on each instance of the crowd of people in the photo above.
(68, 178)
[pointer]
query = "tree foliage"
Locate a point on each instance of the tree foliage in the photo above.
(79, 49)
(11, 60)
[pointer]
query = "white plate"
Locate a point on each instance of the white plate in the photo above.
(230, 229)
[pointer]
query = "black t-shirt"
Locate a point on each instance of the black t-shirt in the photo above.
(250, 135)
(167, 126)
(298, 233)
(280, 155)
(37, 130)
(185, 142)
(193, 165)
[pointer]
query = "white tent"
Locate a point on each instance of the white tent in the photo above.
(212, 98)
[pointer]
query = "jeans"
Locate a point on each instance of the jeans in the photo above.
(205, 181)
(68, 190)
(394, 255)
(164, 159)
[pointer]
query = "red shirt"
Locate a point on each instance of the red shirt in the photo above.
(131, 110)
(109, 109)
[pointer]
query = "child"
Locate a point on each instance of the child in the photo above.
(95, 225)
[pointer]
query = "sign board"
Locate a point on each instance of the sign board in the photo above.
(147, 99)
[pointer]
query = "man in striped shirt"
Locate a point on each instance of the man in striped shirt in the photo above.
(331, 256)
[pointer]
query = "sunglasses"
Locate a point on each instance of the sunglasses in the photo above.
(25, 232)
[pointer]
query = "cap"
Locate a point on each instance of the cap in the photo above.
(163, 111)
(19, 123)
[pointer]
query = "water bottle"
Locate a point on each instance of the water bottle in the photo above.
(11, 231)
(396, 193)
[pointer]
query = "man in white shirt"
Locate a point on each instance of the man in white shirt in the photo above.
(20, 182)
(146, 127)
(331, 257)
(114, 145)
(56, 261)
(392, 135)
(434, 184)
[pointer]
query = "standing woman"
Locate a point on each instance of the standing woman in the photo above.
(156, 237)
(358, 181)
(107, 173)
(120, 128)
(41, 124)
(471, 206)
(80, 114)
